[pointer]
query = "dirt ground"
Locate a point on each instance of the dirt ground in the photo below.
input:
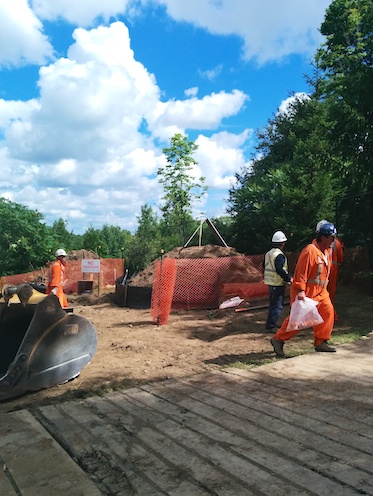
(132, 350)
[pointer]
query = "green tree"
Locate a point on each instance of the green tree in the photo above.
(346, 62)
(26, 242)
(92, 240)
(181, 190)
(292, 182)
(114, 241)
(146, 243)
(62, 236)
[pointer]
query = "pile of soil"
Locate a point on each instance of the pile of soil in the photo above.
(240, 270)
(82, 254)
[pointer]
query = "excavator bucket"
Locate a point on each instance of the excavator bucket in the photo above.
(41, 345)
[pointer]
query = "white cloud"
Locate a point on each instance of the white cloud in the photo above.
(79, 12)
(78, 152)
(221, 156)
(286, 105)
(16, 110)
(205, 113)
(90, 103)
(191, 91)
(21, 38)
(270, 29)
(212, 74)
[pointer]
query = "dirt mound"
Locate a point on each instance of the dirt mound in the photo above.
(82, 254)
(207, 251)
(90, 299)
(240, 270)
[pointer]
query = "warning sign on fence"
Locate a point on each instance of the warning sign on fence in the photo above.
(90, 265)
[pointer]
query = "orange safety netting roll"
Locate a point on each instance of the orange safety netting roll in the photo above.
(163, 290)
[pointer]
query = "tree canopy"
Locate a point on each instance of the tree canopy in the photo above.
(25, 241)
(292, 182)
(346, 59)
(181, 189)
(314, 161)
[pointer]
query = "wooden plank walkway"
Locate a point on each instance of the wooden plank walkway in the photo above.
(302, 426)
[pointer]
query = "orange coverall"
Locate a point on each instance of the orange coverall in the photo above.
(311, 275)
(337, 258)
(57, 280)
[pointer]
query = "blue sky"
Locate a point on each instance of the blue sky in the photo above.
(92, 90)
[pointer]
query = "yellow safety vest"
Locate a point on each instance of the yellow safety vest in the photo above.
(270, 275)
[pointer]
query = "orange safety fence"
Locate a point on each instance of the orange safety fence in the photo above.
(163, 289)
(202, 283)
(110, 269)
(245, 290)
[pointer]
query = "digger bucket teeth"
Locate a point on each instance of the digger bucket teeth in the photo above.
(42, 346)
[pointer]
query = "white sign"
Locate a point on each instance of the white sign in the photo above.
(89, 265)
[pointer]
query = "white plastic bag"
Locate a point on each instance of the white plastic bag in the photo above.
(232, 302)
(303, 314)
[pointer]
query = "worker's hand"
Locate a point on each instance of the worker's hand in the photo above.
(301, 295)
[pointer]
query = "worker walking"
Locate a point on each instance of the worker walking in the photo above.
(57, 277)
(337, 259)
(276, 276)
(336, 255)
(310, 280)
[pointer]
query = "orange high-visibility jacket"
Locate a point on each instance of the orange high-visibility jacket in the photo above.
(57, 280)
(336, 253)
(311, 273)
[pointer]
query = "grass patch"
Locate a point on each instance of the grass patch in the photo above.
(251, 364)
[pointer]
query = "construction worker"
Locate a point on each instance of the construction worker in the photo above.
(336, 255)
(310, 280)
(276, 276)
(57, 277)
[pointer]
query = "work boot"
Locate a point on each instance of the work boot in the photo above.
(325, 346)
(278, 347)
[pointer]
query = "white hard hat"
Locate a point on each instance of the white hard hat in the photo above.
(61, 253)
(279, 237)
(319, 224)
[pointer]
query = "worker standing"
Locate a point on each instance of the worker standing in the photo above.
(276, 276)
(310, 280)
(57, 278)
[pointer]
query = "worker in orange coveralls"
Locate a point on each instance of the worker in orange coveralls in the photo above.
(57, 277)
(336, 254)
(311, 279)
(337, 259)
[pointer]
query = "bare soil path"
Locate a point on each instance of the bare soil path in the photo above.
(133, 351)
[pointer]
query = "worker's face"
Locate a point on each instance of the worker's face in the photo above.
(63, 260)
(327, 241)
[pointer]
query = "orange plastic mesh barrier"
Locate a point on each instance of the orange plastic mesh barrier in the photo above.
(110, 268)
(246, 290)
(200, 281)
(163, 289)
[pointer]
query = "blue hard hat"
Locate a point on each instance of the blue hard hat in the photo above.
(327, 229)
